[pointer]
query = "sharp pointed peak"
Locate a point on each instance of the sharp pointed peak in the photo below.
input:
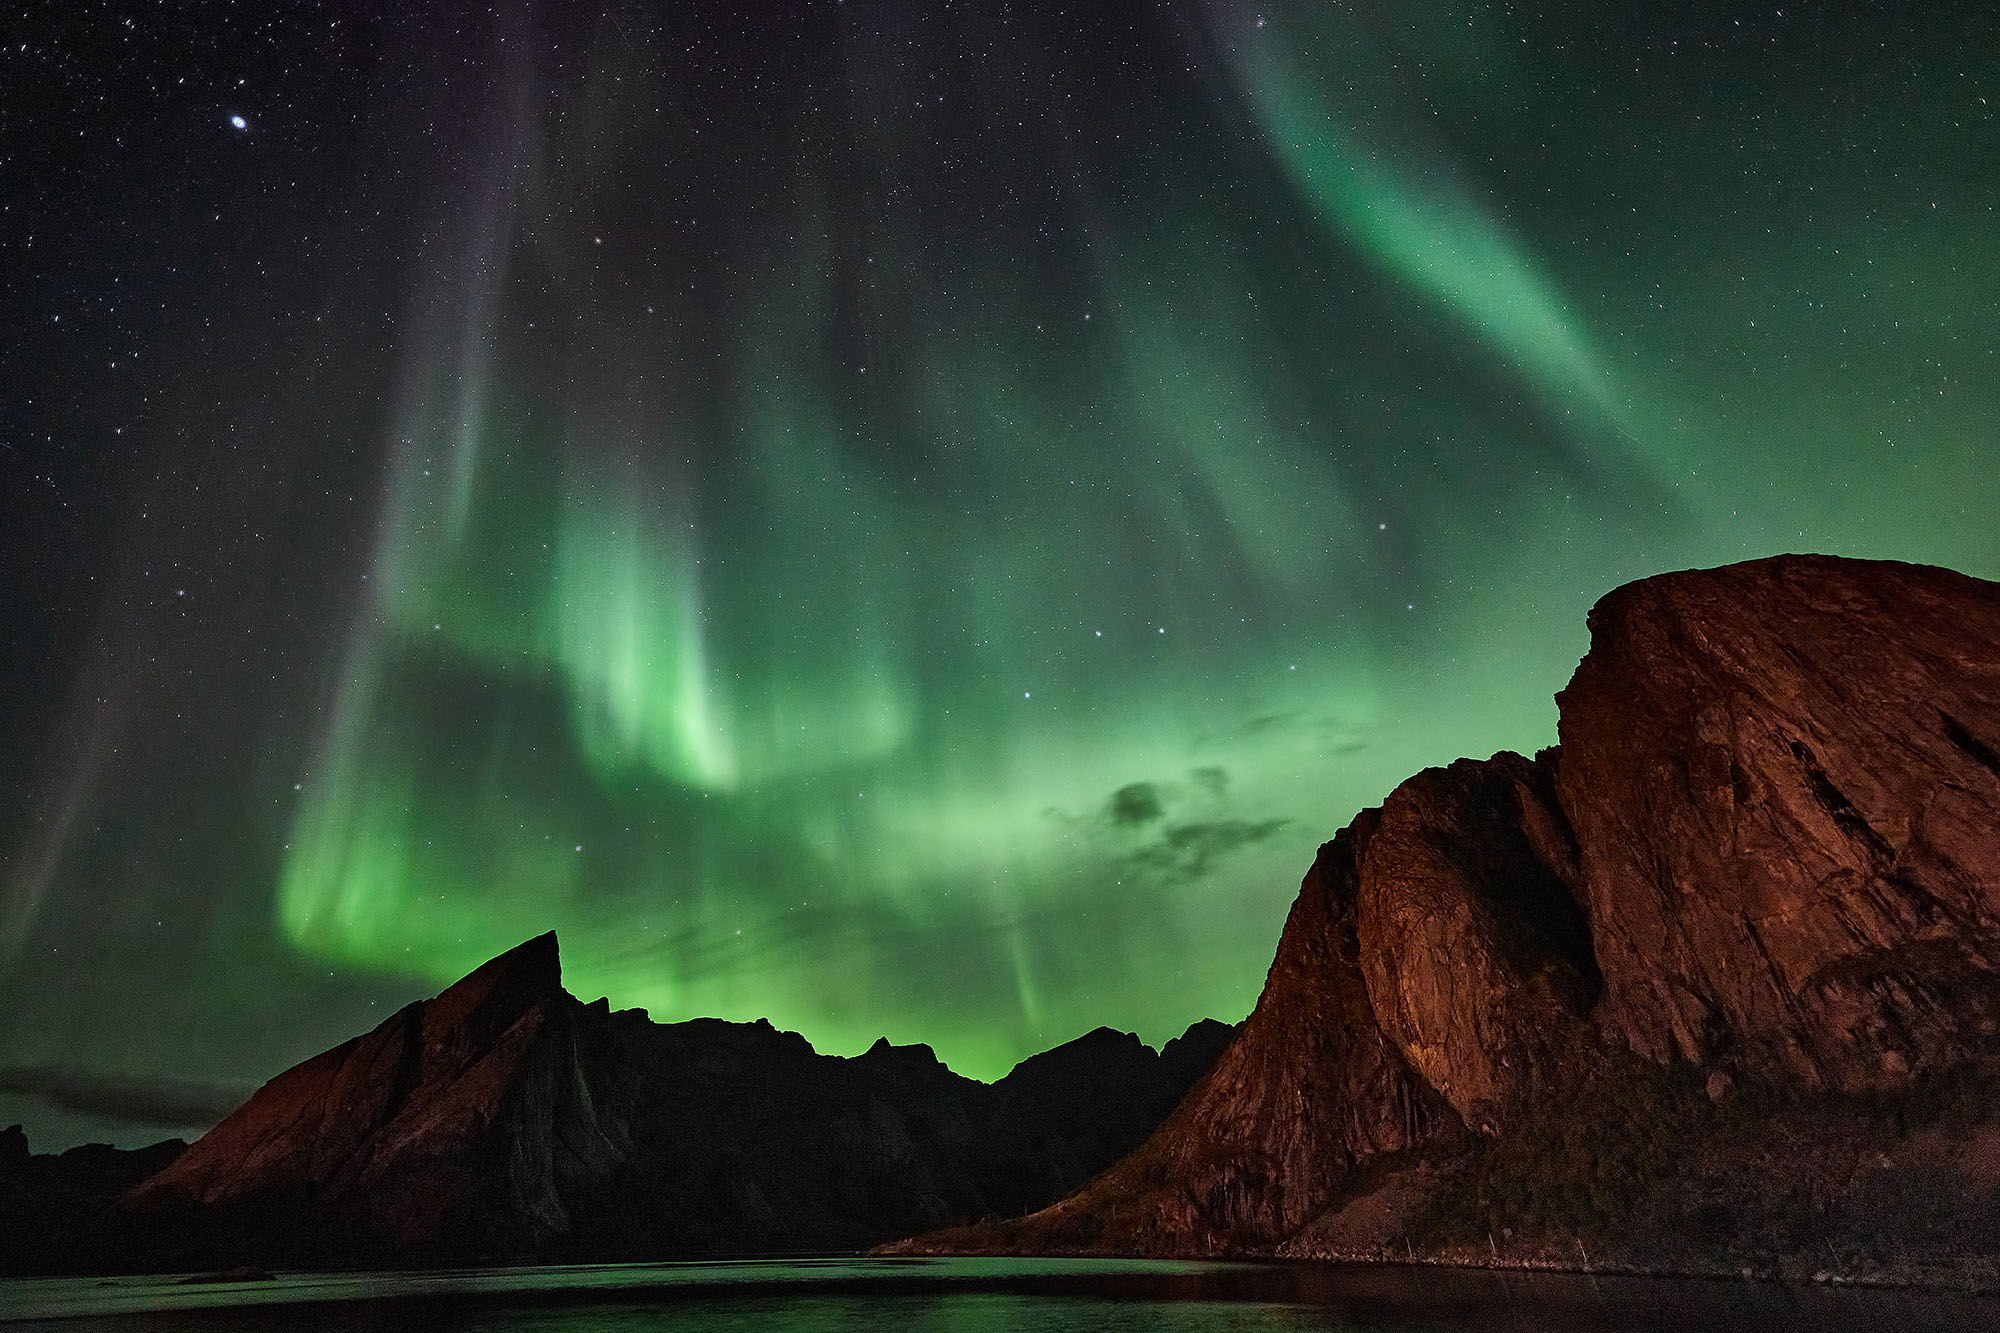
(524, 975)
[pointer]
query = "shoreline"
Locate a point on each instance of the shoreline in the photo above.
(1967, 1276)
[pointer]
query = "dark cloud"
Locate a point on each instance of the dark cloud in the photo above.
(1183, 853)
(1134, 803)
(172, 1103)
(1170, 832)
(1193, 848)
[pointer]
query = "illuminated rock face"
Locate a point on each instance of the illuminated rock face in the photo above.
(1768, 845)
(464, 1114)
(1784, 782)
(505, 1119)
(1477, 957)
(1310, 1088)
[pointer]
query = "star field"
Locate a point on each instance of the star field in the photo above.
(901, 519)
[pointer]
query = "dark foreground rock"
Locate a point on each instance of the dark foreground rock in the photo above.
(505, 1121)
(1711, 985)
(50, 1203)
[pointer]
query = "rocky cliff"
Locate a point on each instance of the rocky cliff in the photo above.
(1711, 981)
(1784, 786)
(505, 1120)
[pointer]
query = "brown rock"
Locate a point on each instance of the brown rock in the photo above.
(1262, 1144)
(1432, 972)
(1372, 1222)
(417, 1130)
(1477, 958)
(1783, 778)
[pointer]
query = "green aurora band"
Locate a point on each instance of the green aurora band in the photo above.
(924, 541)
(851, 751)
(767, 729)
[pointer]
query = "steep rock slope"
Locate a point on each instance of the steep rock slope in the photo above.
(1477, 957)
(463, 1117)
(1310, 1087)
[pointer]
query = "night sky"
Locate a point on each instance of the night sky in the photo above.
(902, 518)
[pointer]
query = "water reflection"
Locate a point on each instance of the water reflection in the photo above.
(965, 1313)
(973, 1296)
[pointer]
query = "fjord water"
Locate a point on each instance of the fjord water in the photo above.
(972, 1296)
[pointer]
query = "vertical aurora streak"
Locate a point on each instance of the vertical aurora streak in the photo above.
(733, 595)
(908, 520)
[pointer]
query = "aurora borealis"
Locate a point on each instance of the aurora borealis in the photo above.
(901, 519)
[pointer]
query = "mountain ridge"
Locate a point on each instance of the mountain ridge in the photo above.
(503, 1120)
